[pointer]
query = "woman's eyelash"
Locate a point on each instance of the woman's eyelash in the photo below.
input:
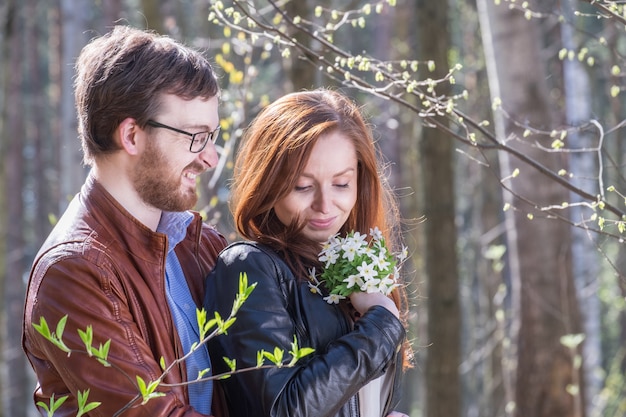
(306, 187)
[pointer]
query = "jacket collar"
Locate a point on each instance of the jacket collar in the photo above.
(115, 225)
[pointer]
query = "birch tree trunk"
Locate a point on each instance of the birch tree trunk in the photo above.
(583, 166)
(543, 299)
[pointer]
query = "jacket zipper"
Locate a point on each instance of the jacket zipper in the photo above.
(354, 406)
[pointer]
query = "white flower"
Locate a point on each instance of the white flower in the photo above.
(330, 246)
(330, 257)
(350, 251)
(376, 233)
(356, 262)
(403, 254)
(360, 238)
(367, 271)
(353, 280)
(380, 260)
(386, 285)
(315, 289)
(371, 285)
(313, 283)
(354, 246)
(334, 298)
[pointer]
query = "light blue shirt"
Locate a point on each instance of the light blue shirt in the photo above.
(183, 308)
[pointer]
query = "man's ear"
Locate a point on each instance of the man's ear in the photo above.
(130, 136)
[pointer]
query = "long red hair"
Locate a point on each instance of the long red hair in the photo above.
(271, 157)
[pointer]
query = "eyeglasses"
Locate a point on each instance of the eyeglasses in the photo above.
(198, 140)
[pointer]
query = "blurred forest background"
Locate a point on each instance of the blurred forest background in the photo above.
(502, 123)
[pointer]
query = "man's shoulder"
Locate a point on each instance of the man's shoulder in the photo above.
(209, 235)
(76, 234)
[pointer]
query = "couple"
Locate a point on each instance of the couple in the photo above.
(130, 259)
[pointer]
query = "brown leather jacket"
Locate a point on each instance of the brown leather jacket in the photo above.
(102, 268)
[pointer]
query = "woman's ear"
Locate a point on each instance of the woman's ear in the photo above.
(129, 136)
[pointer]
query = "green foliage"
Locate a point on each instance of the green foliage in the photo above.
(54, 404)
(56, 337)
(297, 352)
(148, 390)
(103, 350)
(83, 406)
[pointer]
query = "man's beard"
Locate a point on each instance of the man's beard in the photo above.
(157, 186)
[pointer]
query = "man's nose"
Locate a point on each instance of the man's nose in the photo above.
(209, 155)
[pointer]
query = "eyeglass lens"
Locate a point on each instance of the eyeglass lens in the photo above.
(199, 140)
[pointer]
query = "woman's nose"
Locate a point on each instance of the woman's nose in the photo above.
(322, 202)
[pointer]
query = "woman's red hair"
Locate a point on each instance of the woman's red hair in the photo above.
(271, 157)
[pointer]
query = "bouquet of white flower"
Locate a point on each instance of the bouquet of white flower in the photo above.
(353, 263)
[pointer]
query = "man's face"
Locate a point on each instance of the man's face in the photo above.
(165, 175)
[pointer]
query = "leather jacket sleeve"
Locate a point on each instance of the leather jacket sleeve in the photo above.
(111, 317)
(318, 385)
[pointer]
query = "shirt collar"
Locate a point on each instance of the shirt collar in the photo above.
(174, 224)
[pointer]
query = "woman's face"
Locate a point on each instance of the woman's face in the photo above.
(326, 191)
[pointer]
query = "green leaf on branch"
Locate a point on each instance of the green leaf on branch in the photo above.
(276, 358)
(87, 337)
(244, 292)
(203, 372)
(222, 326)
(231, 363)
(260, 358)
(83, 406)
(102, 352)
(54, 404)
(298, 353)
(56, 337)
(203, 326)
(148, 391)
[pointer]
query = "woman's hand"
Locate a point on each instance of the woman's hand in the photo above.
(362, 301)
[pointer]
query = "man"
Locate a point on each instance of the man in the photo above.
(128, 258)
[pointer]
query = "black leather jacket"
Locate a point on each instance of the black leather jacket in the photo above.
(325, 383)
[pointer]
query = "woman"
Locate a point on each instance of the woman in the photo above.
(306, 170)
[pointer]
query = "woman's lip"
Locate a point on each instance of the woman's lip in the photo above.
(321, 223)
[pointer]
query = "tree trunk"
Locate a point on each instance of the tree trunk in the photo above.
(443, 398)
(15, 384)
(584, 168)
(154, 19)
(111, 13)
(301, 73)
(542, 290)
(72, 174)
